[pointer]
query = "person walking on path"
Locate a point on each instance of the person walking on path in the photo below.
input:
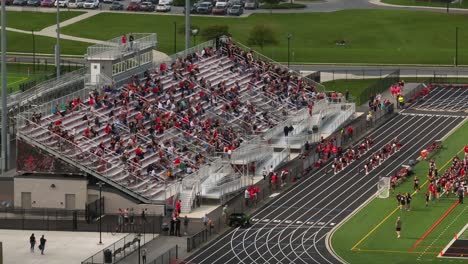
(398, 226)
(32, 241)
(186, 222)
(42, 244)
(225, 214)
(177, 227)
(205, 220)
(143, 255)
(143, 216)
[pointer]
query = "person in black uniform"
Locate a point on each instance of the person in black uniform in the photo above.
(408, 201)
(416, 184)
(402, 201)
(427, 198)
(171, 230)
(398, 198)
(460, 194)
(177, 227)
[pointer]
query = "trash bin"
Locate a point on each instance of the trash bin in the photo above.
(107, 256)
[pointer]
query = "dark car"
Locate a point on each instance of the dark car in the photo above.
(236, 10)
(147, 6)
(20, 2)
(133, 6)
(204, 8)
(8, 2)
(219, 10)
(47, 3)
(34, 2)
(116, 6)
(238, 219)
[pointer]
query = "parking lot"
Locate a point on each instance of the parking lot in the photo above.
(106, 6)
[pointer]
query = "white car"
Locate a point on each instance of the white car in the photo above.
(91, 4)
(75, 3)
(163, 8)
(166, 2)
(61, 3)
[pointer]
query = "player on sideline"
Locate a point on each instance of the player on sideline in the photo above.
(398, 227)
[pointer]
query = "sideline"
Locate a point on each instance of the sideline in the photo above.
(396, 209)
(392, 251)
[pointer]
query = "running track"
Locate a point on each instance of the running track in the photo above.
(292, 228)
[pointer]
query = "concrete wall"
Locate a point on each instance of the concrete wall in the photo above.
(45, 196)
(113, 201)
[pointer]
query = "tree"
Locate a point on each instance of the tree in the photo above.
(215, 31)
(261, 35)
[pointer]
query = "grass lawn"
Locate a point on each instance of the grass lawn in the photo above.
(459, 4)
(19, 42)
(36, 21)
(372, 36)
(355, 86)
(21, 73)
(382, 246)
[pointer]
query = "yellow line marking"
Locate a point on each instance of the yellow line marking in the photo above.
(22, 79)
(396, 209)
(391, 251)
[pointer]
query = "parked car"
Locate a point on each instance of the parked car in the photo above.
(20, 2)
(204, 8)
(251, 4)
(238, 219)
(167, 2)
(147, 6)
(8, 2)
(107, 1)
(116, 5)
(75, 3)
(236, 10)
(222, 3)
(47, 3)
(34, 2)
(133, 6)
(61, 3)
(163, 8)
(219, 10)
(237, 2)
(91, 4)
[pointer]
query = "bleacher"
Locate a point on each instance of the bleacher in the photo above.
(205, 107)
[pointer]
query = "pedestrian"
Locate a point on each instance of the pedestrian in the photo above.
(131, 39)
(32, 241)
(398, 226)
(408, 201)
(264, 173)
(210, 224)
(186, 222)
(177, 227)
(205, 220)
(42, 243)
(132, 215)
(460, 194)
(143, 255)
(416, 184)
(178, 206)
(247, 197)
(286, 131)
(225, 214)
(172, 227)
(124, 40)
(143, 216)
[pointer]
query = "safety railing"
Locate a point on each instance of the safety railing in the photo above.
(114, 48)
(196, 49)
(345, 112)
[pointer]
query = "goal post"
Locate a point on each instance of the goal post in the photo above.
(383, 187)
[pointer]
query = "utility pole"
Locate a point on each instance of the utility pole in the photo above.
(289, 40)
(456, 46)
(100, 184)
(4, 93)
(57, 46)
(175, 37)
(187, 24)
(34, 51)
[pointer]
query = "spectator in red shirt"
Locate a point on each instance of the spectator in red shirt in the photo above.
(178, 206)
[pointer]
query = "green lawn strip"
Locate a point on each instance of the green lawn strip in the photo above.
(27, 20)
(458, 4)
(19, 42)
(415, 223)
(372, 36)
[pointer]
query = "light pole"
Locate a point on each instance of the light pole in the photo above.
(456, 46)
(100, 184)
(175, 37)
(57, 46)
(289, 40)
(187, 24)
(194, 34)
(139, 253)
(4, 92)
(34, 51)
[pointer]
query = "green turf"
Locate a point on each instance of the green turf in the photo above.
(387, 248)
(19, 42)
(26, 20)
(22, 73)
(372, 36)
(459, 4)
